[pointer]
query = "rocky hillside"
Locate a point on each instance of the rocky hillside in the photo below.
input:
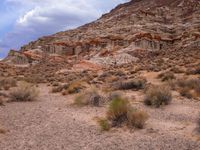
(127, 34)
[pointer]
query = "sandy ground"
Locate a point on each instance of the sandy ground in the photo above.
(52, 123)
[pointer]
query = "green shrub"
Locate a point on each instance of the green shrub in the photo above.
(104, 124)
(158, 95)
(25, 92)
(120, 112)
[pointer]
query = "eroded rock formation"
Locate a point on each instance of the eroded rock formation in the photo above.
(151, 25)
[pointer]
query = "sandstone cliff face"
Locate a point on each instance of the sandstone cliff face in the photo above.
(151, 25)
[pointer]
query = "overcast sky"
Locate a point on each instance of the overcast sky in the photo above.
(25, 20)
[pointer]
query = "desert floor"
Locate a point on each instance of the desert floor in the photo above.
(53, 123)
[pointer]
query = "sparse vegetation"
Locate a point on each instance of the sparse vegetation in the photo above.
(137, 118)
(25, 92)
(157, 96)
(90, 97)
(166, 76)
(121, 113)
(131, 84)
(104, 124)
(59, 88)
(189, 88)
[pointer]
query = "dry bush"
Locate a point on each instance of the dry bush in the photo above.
(120, 112)
(158, 95)
(59, 88)
(7, 83)
(166, 76)
(177, 70)
(136, 84)
(104, 124)
(25, 92)
(189, 88)
(195, 70)
(90, 97)
(137, 118)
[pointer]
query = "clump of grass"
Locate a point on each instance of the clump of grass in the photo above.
(130, 84)
(157, 96)
(104, 124)
(137, 118)
(117, 111)
(25, 92)
(90, 97)
(166, 76)
(121, 113)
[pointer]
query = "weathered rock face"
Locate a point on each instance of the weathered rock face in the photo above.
(151, 25)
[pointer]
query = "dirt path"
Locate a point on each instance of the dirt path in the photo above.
(52, 123)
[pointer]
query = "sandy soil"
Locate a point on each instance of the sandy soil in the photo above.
(52, 123)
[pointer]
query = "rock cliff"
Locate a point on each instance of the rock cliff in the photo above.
(136, 26)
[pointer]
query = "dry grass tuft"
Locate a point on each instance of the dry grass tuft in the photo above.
(137, 118)
(158, 95)
(25, 92)
(91, 97)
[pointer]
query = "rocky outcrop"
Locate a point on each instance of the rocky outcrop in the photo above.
(151, 25)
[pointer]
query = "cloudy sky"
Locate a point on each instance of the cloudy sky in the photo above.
(25, 20)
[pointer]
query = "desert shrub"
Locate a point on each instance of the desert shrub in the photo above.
(158, 95)
(25, 92)
(104, 124)
(59, 88)
(6, 83)
(120, 112)
(195, 70)
(137, 118)
(165, 76)
(90, 97)
(131, 84)
(177, 70)
(117, 111)
(189, 88)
